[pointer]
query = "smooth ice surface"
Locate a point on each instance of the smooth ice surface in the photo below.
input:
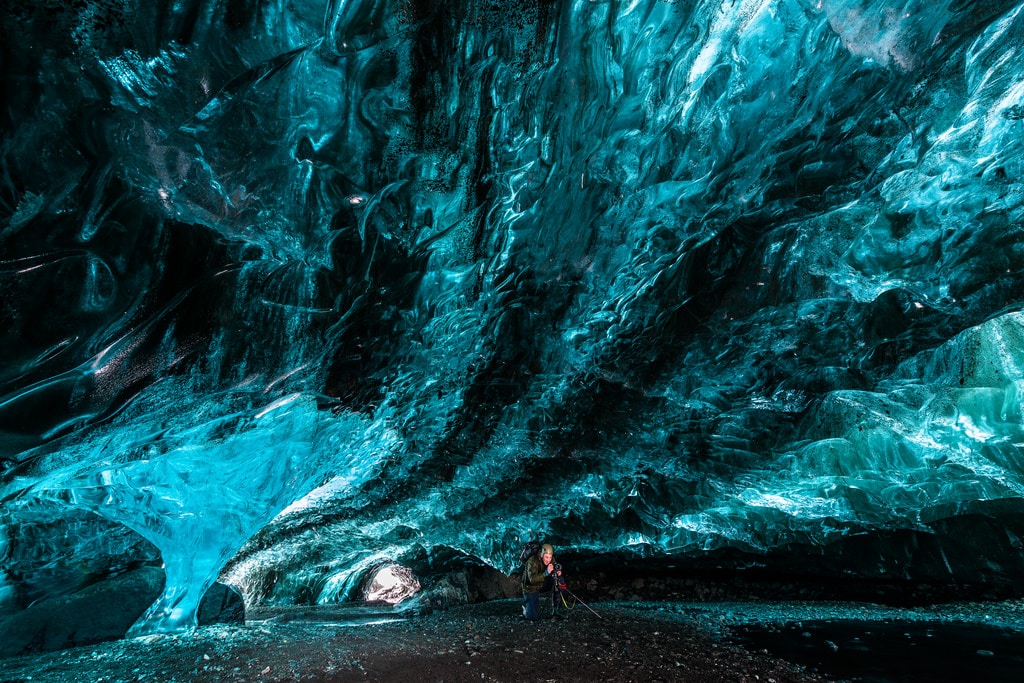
(294, 291)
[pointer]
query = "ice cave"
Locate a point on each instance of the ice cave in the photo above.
(301, 294)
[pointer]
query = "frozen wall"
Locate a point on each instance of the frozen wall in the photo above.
(294, 290)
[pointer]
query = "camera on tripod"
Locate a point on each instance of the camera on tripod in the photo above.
(558, 582)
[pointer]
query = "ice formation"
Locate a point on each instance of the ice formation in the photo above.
(294, 291)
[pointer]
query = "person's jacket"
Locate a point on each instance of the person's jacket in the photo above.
(534, 575)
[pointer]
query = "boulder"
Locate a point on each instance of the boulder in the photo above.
(103, 611)
(487, 583)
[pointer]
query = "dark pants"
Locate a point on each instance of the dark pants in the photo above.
(531, 606)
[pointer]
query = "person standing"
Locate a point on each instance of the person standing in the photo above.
(537, 579)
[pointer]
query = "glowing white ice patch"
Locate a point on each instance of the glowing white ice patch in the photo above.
(391, 584)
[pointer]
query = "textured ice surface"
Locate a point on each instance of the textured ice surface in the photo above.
(295, 291)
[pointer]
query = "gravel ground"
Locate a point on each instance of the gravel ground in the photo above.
(480, 642)
(719, 616)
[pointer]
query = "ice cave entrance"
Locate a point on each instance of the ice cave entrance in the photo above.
(391, 584)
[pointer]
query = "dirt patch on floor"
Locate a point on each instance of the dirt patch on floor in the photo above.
(482, 642)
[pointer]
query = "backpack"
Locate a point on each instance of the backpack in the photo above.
(529, 550)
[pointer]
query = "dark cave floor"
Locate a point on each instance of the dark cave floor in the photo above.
(738, 641)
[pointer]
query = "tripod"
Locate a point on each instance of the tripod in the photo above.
(558, 588)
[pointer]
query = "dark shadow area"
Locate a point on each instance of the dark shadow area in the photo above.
(893, 652)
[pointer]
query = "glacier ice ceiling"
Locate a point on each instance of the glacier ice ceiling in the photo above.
(296, 290)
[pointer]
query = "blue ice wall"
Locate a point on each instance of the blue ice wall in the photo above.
(293, 289)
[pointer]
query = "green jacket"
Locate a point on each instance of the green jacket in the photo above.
(533, 575)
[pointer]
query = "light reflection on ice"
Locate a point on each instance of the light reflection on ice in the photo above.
(719, 275)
